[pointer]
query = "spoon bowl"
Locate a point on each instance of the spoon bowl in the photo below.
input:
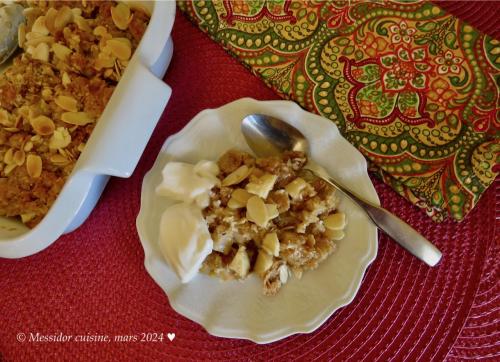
(269, 136)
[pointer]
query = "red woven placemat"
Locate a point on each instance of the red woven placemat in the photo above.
(93, 280)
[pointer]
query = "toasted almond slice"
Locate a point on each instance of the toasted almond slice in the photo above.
(237, 176)
(104, 61)
(263, 263)
(4, 118)
(77, 118)
(66, 80)
(42, 125)
(27, 217)
(8, 157)
(240, 263)
(271, 244)
(19, 157)
(272, 211)
(241, 195)
(262, 185)
(121, 16)
(238, 199)
(35, 41)
(64, 17)
(58, 159)
(39, 26)
(82, 23)
(257, 211)
(61, 51)
(295, 187)
(50, 17)
(335, 221)
(21, 35)
(120, 48)
(100, 31)
(34, 165)
(28, 146)
(77, 11)
(59, 139)
(67, 103)
(7, 170)
(40, 52)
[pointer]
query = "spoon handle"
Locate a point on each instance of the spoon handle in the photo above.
(389, 223)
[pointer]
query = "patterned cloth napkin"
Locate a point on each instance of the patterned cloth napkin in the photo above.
(412, 87)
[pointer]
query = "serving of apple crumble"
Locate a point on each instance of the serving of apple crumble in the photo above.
(72, 56)
(267, 219)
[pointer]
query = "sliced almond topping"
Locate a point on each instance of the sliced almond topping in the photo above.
(66, 80)
(67, 103)
(82, 23)
(8, 158)
(19, 157)
(238, 199)
(42, 125)
(237, 176)
(272, 211)
(39, 26)
(104, 61)
(240, 263)
(28, 146)
(50, 17)
(34, 165)
(27, 217)
(295, 187)
(263, 263)
(100, 31)
(35, 41)
(77, 118)
(77, 11)
(257, 211)
(59, 139)
(61, 51)
(40, 52)
(121, 16)
(64, 17)
(120, 48)
(58, 159)
(7, 170)
(4, 118)
(21, 35)
(262, 186)
(271, 244)
(335, 221)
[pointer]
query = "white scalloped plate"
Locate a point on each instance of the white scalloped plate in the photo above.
(238, 309)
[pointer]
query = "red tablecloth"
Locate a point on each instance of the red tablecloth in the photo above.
(93, 282)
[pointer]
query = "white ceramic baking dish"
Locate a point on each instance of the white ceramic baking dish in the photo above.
(116, 143)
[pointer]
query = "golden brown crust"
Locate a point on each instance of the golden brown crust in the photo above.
(53, 94)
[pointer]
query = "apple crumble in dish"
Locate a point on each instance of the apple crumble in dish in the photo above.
(72, 55)
(265, 218)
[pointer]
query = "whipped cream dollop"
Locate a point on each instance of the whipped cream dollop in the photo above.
(184, 239)
(187, 182)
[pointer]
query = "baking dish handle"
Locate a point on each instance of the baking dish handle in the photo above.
(126, 124)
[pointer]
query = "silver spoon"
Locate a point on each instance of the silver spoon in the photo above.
(268, 136)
